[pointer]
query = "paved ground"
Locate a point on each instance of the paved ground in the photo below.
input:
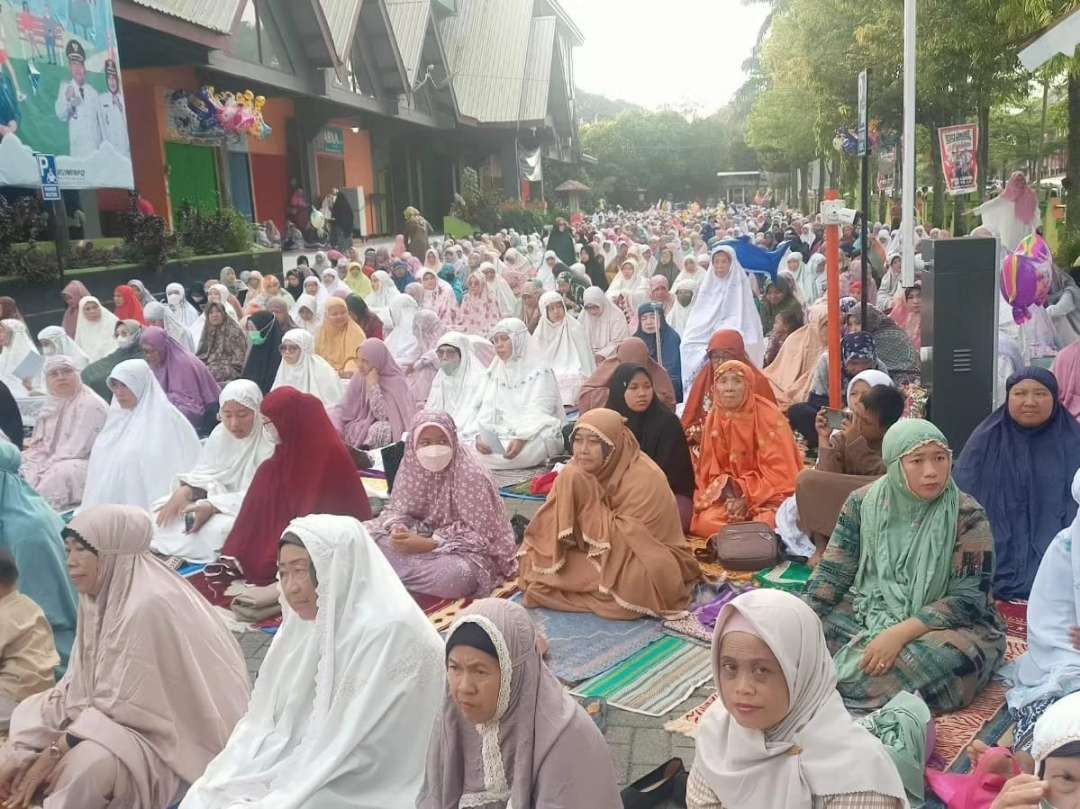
(638, 743)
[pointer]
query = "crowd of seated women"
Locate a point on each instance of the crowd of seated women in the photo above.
(237, 434)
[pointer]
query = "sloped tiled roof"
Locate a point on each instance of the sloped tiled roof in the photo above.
(217, 15)
(409, 21)
(341, 19)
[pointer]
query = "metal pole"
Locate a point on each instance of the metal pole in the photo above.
(62, 241)
(832, 269)
(865, 212)
(907, 223)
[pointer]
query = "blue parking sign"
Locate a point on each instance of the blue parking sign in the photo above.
(50, 182)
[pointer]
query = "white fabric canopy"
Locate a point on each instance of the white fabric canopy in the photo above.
(311, 373)
(340, 701)
(140, 451)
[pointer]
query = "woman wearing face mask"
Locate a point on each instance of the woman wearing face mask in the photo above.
(903, 589)
(310, 472)
(779, 736)
(212, 491)
(55, 343)
(445, 531)
(144, 444)
(264, 356)
(155, 684)
(355, 662)
(378, 403)
(128, 347)
(56, 456)
(510, 735)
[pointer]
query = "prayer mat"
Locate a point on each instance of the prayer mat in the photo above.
(708, 598)
(654, 680)
(582, 645)
(521, 491)
(510, 477)
(214, 588)
(987, 718)
(443, 612)
(714, 571)
(189, 570)
(788, 576)
(269, 625)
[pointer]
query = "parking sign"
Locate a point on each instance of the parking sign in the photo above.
(50, 183)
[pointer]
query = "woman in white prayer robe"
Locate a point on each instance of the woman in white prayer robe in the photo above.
(303, 369)
(561, 343)
(214, 489)
(521, 413)
(458, 386)
(354, 677)
(145, 443)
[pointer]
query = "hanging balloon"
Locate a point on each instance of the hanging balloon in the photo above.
(1026, 276)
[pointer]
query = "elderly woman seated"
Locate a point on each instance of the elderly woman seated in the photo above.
(501, 700)
(560, 343)
(57, 454)
(1019, 464)
(194, 520)
(521, 415)
(748, 458)
(903, 588)
(186, 381)
(779, 736)
(444, 531)
(608, 540)
(155, 685)
(354, 676)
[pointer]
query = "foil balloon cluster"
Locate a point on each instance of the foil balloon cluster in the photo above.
(846, 139)
(207, 114)
(1026, 276)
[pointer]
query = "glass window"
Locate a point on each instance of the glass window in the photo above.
(245, 39)
(257, 39)
(274, 54)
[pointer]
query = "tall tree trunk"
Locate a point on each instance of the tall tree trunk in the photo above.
(821, 177)
(1072, 171)
(937, 214)
(804, 188)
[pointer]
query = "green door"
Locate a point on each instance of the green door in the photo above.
(193, 176)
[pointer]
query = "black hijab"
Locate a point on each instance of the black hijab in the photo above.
(263, 360)
(10, 418)
(595, 268)
(657, 430)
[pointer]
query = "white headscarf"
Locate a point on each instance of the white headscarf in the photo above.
(227, 463)
(320, 290)
(160, 313)
(1058, 726)
(804, 278)
(873, 378)
(379, 300)
(545, 274)
(140, 451)
(679, 315)
(182, 310)
(13, 355)
(324, 725)
(336, 285)
(817, 749)
(504, 295)
(606, 330)
(563, 347)
(1051, 666)
(311, 303)
(722, 303)
(460, 394)
(311, 373)
(401, 341)
(97, 340)
(64, 346)
(636, 288)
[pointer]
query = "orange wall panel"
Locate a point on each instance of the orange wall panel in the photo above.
(359, 166)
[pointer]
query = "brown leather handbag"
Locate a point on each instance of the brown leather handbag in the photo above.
(746, 546)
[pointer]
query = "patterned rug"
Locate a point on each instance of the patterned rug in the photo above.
(986, 718)
(582, 645)
(442, 612)
(655, 680)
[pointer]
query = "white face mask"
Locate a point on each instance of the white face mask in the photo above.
(48, 350)
(435, 458)
(125, 341)
(449, 367)
(174, 297)
(271, 432)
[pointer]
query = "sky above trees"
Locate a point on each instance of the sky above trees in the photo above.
(683, 54)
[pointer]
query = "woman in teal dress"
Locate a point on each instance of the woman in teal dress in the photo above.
(30, 531)
(903, 589)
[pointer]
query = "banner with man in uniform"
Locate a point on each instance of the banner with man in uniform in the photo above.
(61, 94)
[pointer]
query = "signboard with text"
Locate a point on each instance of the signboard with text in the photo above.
(61, 94)
(959, 157)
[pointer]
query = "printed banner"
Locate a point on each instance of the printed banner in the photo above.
(959, 157)
(61, 94)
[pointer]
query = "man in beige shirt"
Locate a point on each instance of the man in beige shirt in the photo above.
(28, 655)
